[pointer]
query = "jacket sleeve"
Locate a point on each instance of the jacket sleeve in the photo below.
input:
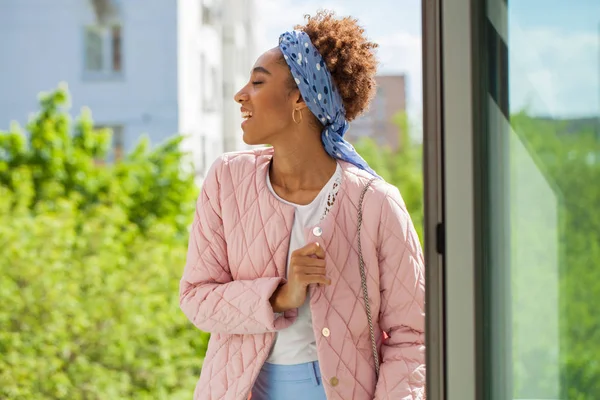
(402, 315)
(208, 295)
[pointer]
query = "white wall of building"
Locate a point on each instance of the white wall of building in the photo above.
(42, 44)
(239, 54)
(178, 75)
(199, 84)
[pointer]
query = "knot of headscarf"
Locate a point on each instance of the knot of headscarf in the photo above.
(320, 95)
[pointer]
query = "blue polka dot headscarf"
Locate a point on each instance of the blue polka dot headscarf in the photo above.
(320, 95)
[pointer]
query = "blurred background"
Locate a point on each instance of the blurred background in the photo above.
(112, 111)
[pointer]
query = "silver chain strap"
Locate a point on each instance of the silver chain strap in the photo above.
(363, 278)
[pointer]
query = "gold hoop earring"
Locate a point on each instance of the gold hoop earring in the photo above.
(294, 116)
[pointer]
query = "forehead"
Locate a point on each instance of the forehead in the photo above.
(269, 59)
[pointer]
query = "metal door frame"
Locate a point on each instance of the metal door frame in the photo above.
(451, 81)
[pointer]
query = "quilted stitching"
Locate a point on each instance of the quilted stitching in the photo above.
(237, 257)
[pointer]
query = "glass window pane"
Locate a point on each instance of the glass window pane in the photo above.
(543, 160)
(214, 78)
(93, 50)
(118, 141)
(116, 48)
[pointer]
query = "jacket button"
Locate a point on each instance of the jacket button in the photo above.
(325, 332)
(334, 381)
(317, 231)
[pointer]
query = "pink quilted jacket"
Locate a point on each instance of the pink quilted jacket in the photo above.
(237, 258)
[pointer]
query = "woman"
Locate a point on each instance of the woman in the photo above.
(273, 263)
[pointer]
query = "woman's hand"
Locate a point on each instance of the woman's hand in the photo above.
(307, 266)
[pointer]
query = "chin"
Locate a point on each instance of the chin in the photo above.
(253, 139)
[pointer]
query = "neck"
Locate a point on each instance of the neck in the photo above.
(301, 164)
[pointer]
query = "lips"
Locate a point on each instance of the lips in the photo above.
(246, 114)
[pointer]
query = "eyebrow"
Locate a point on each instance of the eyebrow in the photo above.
(261, 69)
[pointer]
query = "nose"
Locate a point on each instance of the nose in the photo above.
(241, 96)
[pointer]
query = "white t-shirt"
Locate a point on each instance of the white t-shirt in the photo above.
(297, 344)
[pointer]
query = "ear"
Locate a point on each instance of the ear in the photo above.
(300, 104)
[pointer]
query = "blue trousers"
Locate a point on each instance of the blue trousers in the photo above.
(289, 382)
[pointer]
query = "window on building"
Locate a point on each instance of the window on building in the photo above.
(116, 43)
(202, 162)
(209, 85)
(118, 143)
(203, 80)
(93, 50)
(206, 15)
(103, 50)
(208, 12)
(379, 106)
(117, 152)
(214, 82)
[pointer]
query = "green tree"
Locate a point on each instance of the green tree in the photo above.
(402, 168)
(150, 184)
(568, 153)
(90, 265)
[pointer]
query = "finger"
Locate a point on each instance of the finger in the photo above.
(310, 250)
(320, 251)
(307, 261)
(311, 270)
(320, 279)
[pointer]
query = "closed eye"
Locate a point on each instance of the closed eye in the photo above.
(257, 83)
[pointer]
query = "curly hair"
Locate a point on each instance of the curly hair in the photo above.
(349, 56)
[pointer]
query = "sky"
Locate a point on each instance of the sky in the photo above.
(398, 33)
(554, 50)
(554, 57)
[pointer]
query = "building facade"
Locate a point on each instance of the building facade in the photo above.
(239, 54)
(152, 68)
(378, 122)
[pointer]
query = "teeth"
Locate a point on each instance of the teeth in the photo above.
(246, 114)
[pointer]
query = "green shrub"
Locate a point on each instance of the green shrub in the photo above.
(90, 261)
(402, 168)
(56, 160)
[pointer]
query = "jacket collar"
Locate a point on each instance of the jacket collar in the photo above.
(353, 180)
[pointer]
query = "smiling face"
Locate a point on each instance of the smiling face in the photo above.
(268, 99)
